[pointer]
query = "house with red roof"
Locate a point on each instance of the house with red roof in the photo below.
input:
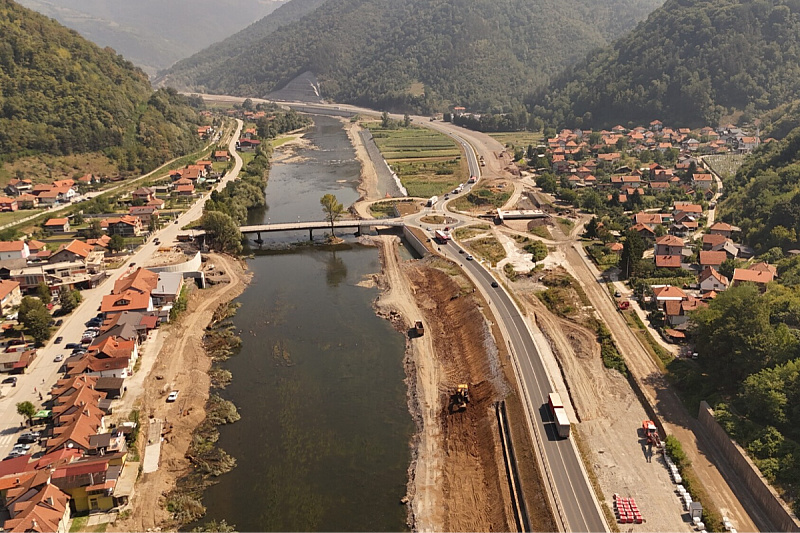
(668, 245)
(665, 293)
(712, 258)
(711, 280)
(8, 204)
(668, 261)
(37, 505)
(129, 300)
(57, 225)
(759, 277)
(126, 226)
(721, 228)
(14, 250)
(10, 295)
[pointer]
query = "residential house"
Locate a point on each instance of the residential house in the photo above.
(37, 505)
(712, 259)
(669, 261)
(145, 213)
(10, 295)
(157, 203)
(130, 300)
(72, 275)
(17, 187)
(185, 190)
(676, 313)
(702, 181)
(168, 288)
(27, 201)
(248, 145)
(88, 179)
(14, 250)
(221, 155)
(711, 280)
(668, 245)
(15, 362)
(712, 241)
(143, 193)
(666, 293)
(8, 204)
(49, 197)
(759, 277)
(745, 145)
(721, 228)
(57, 225)
(90, 482)
(645, 231)
(74, 251)
(126, 226)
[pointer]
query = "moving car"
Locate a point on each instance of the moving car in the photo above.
(59, 339)
(495, 284)
(58, 359)
(172, 396)
(469, 257)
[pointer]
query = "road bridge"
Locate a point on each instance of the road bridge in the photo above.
(322, 224)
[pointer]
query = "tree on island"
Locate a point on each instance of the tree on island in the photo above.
(333, 210)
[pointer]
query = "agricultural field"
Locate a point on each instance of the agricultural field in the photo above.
(428, 163)
(519, 139)
(483, 198)
(725, 165)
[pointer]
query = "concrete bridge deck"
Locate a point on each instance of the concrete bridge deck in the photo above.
(322, 224)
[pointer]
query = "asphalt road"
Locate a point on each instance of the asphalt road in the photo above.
(44, 371)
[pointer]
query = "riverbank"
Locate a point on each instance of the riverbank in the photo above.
(183, 365)
(368, 183)
(456, 481)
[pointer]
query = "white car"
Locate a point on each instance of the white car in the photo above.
(172, 396)
(21, 447)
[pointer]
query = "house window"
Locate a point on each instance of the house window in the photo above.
(93, 505)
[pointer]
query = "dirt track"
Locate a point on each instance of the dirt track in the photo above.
(182, 364)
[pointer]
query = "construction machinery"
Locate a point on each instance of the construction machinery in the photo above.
(460, 398)
(651, 433)
(419, 329)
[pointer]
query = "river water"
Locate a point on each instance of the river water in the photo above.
(322, 444)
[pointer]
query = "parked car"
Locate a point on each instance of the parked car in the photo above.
(12, 380)
(58, 359)
(72, 346)
(59, 322)
(12, 454)
(495, 284)
(172, 396)
(21, 446)
(59, 339)
(29, 436)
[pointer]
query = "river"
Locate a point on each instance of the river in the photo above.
(322, 444)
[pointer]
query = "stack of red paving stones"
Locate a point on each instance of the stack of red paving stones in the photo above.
(626, 510)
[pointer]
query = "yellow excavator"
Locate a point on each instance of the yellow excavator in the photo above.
(460, 398)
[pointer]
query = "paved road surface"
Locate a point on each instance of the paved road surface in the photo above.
(44, 372)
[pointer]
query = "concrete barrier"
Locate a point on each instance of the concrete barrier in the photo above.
(415, 242)
(769, 500)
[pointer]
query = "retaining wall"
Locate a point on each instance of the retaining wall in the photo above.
(773, 506)
(191, 265)
(415, 242)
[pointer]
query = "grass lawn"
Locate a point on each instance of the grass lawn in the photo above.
(541, 231)
(427, 162)
(247, 157)
(470, 231)
(488, 248)
(383, 210)
(13, 216)
(281, 140)
(481, 198)
(519, 138)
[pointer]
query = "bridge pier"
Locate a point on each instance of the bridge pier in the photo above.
(358, 231)
(259, 240)
(310, 234)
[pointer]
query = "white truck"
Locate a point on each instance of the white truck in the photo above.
(559, 414)
(432, 201)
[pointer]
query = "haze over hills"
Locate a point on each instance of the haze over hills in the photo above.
(154, 34)
(61, 94)
(418, 54)
(691, 62)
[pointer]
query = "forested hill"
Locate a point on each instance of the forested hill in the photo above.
(764, 196)
(691, 61)
(182, 73)
(422, 54)
(61, 94)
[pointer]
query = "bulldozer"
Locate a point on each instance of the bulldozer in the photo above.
(651, 434)
(460, 398)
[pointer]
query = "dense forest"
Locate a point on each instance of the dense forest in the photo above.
(61, 94)
(421, 54)
(215, 56)
(691, 62)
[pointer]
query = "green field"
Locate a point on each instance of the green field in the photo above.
(518, 138)
(428, 163)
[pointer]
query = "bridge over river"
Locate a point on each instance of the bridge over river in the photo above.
(322, 224)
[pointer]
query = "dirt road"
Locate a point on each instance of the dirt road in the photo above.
(181, 365)
(676, 419)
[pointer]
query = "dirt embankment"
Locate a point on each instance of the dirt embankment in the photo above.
(183, 365)
(457, 479)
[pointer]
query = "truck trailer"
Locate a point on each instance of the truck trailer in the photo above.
(562, 422)
(432, 201)
(441, 236)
